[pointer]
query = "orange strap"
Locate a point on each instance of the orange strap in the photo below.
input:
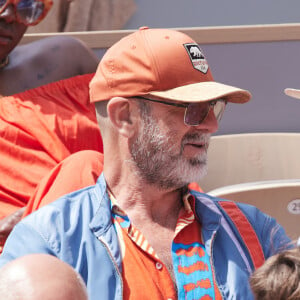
(245, 230)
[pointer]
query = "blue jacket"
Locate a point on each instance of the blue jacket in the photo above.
(77, 228)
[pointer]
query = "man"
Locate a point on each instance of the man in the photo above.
(140, 232)
(41, 62)
(43, 122)
(27, 278)
(62, 121)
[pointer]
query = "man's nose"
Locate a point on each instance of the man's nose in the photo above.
(9, 14)
(209, 124)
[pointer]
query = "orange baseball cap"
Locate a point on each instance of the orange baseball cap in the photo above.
(163, 63)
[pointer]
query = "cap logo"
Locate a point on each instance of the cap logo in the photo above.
(197, 58)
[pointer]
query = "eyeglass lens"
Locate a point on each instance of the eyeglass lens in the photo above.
(196, 113)
(28, 11)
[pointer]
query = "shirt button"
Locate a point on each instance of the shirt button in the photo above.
(158, 266)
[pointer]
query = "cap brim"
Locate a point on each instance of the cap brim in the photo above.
(292, 93)
(205, 91)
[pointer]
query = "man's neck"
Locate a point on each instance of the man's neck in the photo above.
(143, 201)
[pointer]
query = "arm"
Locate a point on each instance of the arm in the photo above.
(18, 244)
(52, 59)
(7, 224)
(87, 58)
(70, 55)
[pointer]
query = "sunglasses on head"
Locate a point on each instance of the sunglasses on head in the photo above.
(196, 113)
(28, 12)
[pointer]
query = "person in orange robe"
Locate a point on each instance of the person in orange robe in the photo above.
(39, 128)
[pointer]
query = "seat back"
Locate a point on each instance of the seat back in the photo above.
(239, 158)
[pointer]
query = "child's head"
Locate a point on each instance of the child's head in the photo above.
(279, 277)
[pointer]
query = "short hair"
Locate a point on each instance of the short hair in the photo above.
(101, 109)
(144, 107)
(279, 277)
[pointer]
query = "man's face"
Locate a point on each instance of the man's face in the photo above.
(11, 31)
(168, 153)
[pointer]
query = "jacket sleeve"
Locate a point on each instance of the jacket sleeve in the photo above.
(22, 241)
(60, 228)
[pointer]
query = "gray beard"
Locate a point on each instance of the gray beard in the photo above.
(155, 159)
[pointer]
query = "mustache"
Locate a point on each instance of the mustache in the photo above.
(195, 138)
(201, 138)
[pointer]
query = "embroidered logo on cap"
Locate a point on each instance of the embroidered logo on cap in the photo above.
(197, 58)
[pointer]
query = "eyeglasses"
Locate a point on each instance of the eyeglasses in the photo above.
(28, 12)
(196, 113)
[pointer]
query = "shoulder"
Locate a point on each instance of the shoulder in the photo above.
(57, 45)
(67, 213)
(62, 51)
(54, 227)
(252, 213)
(75, 209)
(271, 235)
(53, 42)
(81, 203)
(64, 219)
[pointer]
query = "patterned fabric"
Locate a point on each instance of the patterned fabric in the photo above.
(143, 270)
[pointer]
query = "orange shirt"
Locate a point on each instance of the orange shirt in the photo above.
(146, 277)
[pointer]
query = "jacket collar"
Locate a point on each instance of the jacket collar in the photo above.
(209, 217)
(206, 210)
(101, 223)
(102, 217)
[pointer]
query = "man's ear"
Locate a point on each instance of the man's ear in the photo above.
(122, 115)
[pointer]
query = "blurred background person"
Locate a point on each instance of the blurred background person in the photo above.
(41, 62)
(40, 276)
(279, 277)
(44, 119)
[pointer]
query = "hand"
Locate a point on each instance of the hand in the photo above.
(7, 224)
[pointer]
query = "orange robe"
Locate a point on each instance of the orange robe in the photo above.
(77, 171)
(38, 129)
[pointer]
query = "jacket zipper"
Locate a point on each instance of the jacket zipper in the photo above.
(113, 262)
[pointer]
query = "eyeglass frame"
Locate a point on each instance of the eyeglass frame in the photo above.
(211, 104)
(47, 6)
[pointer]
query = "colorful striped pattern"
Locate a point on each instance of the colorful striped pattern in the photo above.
(191, 263)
